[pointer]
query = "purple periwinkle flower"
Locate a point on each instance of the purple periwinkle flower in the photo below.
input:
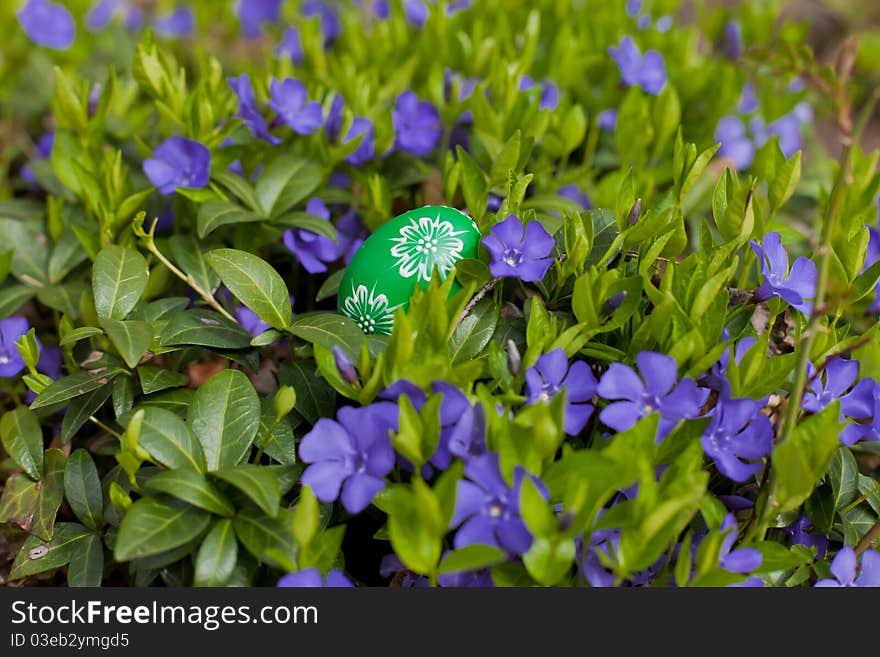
(633, 7)
(742, 560)
(329, 17)
(47, 24)
(247, 110)
(573, 193)
(863, 404)
(736, 145)
(351, 232)
(312, 250)
(179, 22)
(417, 126)
(290, 45)
(716, 378)
(178, 162)
(732, 40)
(748, 101)
(646, 71)
(656, 391)
(487, 508)
(134, 18)
(366, 149)
(518, 251)
(416, 12)
(800, 535)
(253, 13)
(786, 127)
(663, 24)
(352, 453)
(844, 566)
(643, 21)
(11, 329)
(797, 286)
(101, 13)
(250, 322)
(313, 579)
(737, 433)
(549, 91)
(840, 375)
(551, 375)
(344, 366)
(288, 98)
(607, 119)
(333, 124)
(43, 150)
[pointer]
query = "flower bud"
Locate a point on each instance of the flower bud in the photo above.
(345, 366)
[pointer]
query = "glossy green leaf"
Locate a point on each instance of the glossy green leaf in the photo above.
(131, 338)
(22, 439)
(82, 488)
(151, 526)
(170, 441)
(256, 284)
(119, 278)
(204, 327)
(75, 385)
(38, 556)
(225, 416)
(217, 555)
(286, 181)
(191, 486)
(214, 214)
(259, 483)
(51, 494)
(86, 567)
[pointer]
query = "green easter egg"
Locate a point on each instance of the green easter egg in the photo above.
(384, 271)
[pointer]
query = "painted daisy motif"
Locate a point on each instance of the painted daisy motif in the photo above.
(426, 242)
(369, 310)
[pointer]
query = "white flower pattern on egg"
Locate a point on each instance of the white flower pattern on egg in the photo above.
(424, 243)
(369, 310)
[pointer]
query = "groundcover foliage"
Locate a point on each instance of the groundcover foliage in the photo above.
(661, 369)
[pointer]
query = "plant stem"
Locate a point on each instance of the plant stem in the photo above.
(763, 513)
(189, 280)
(483, 291)
(835, 203)
(98, 422)
(868, 539)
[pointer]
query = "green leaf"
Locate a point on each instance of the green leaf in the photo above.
(785, 182)
(82, 488)
(256, 284)
(800, 461)
(14, 297)
(31, 252)
(309, 222)
(329, 288)
(38, 556)
(548, 561)
(474, 332)
(217, 555)
(86, 562)
(286, 181)
(154, 379)
(75, 385)
(206, 328)
(258, 482)
(22, 439)
(474, 185)
(778, 557)
(225, 416)
(315, 397)
(81, 333)
(306, 517)
(66, 255)
(843, 475)
(329, 330)
(119, 278)
(131, 338)
(264, 536)
(187, 253)
(191, 486)
(51, 494)
(239, 187)
(170, 441)
(470, 558)
(150, 527)
(820, 508)
(19, 501)
(214, 214)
